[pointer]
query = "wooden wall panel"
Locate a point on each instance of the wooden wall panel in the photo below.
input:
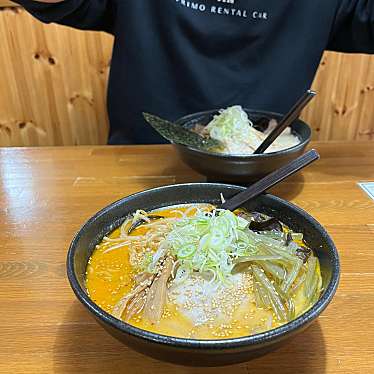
(53, 83)
(344, 107)
(53, 87)
(4, 3)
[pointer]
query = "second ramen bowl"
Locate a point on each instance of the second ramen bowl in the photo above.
(219, 167)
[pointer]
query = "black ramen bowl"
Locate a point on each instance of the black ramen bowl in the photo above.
(190, 351)
(218, 167)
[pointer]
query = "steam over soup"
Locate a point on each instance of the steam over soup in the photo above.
(198, 272)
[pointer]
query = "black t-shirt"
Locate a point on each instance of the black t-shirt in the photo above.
(174, 57)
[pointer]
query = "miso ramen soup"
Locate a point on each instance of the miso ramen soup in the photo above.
(194, 271)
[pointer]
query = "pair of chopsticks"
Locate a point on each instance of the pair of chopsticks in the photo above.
(283, 172)
(287, 120)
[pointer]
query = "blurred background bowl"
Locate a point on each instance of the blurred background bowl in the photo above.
(218, 167)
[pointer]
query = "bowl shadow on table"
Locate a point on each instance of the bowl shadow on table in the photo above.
(288, 190)
(82, 346)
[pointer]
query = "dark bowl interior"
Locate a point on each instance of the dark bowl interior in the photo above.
(236, 168)
(190, 351)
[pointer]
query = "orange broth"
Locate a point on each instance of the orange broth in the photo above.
(110, 276)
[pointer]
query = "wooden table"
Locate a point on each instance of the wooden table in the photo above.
(47, 194)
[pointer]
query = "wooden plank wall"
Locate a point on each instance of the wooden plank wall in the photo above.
(53, 83)
(53, 87)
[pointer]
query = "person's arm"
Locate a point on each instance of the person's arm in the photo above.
(82, 14)
(353, 30)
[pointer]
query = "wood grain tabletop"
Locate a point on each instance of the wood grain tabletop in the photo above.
(46, 194)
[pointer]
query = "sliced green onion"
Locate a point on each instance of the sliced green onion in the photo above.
(210, 242)
(187, 251)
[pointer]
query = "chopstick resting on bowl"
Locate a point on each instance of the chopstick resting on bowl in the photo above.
(286, 121)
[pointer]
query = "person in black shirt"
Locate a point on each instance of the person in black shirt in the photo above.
(174, 57)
